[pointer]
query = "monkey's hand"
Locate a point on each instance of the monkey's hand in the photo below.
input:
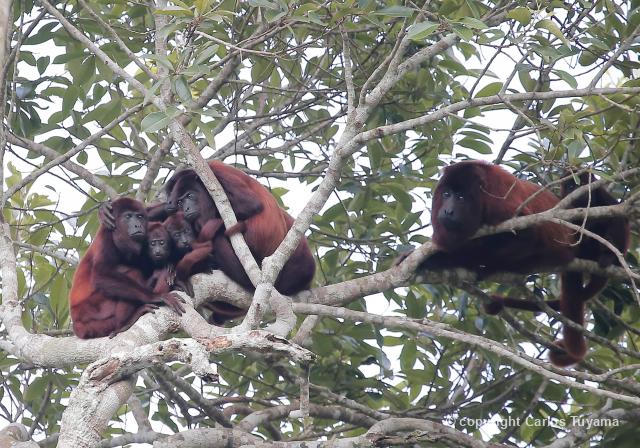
(105, 215)
(174, 301)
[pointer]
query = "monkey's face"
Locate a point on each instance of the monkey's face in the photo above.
(459, 212)
(159, 246)
(182, 237)
(133, 222)
(190, 205)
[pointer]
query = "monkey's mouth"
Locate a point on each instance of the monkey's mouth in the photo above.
(450, 223)
(185, 248)
(137, 235)
(192, 216)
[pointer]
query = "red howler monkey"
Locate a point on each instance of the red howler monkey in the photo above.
(472, 194)
(263, 223)
(162, 256)
(155, 212)
(574, 285)
(196, 255)
(109, 291)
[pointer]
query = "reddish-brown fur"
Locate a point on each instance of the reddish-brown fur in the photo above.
(199, 258)
(472, 194)
(109, 292)
(161, 279)
(575, 284)
(261, 220)
(491, 195)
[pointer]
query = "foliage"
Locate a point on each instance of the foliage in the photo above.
(261, 84)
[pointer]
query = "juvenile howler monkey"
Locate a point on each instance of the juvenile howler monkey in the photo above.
(197, 255)
(162, 257)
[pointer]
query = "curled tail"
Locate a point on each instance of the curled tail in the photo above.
(573, 346)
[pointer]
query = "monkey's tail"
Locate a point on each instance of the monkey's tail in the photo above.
(572, 348)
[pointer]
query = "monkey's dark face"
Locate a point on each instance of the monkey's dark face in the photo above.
(182, 237)
(460, 211)
(171, 206)
(190, 205)
(134, 222)
(159, 247)
(177, 187)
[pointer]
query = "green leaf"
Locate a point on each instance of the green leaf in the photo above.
(42, 64)
(183, 90)
(422, 30)
(463, 32)
(566, 77)
(82, 70)
(161, 60)
(176, 11)
(104, 113)
(490, 89)
(202, 6)
(206, 54)
(261, 70)
(45, 33)
(550, 26)
(264, 3)
(70, 98)
(196, 70)
(207, 130)
(83, 158)
(521, 14)
(154, 122)
(395, 11)
(476, 145)
(152, 91)
(478, 24)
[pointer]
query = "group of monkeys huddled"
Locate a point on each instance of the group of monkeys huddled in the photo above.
(141, 253)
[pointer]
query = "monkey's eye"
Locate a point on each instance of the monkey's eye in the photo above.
(179, 202)
(190, 196)
(162, 242)
(446, 194)
(460, 197)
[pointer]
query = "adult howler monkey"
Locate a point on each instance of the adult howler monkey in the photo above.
(472, 194)
(109, 291)
(263, 223)
(576, 285)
